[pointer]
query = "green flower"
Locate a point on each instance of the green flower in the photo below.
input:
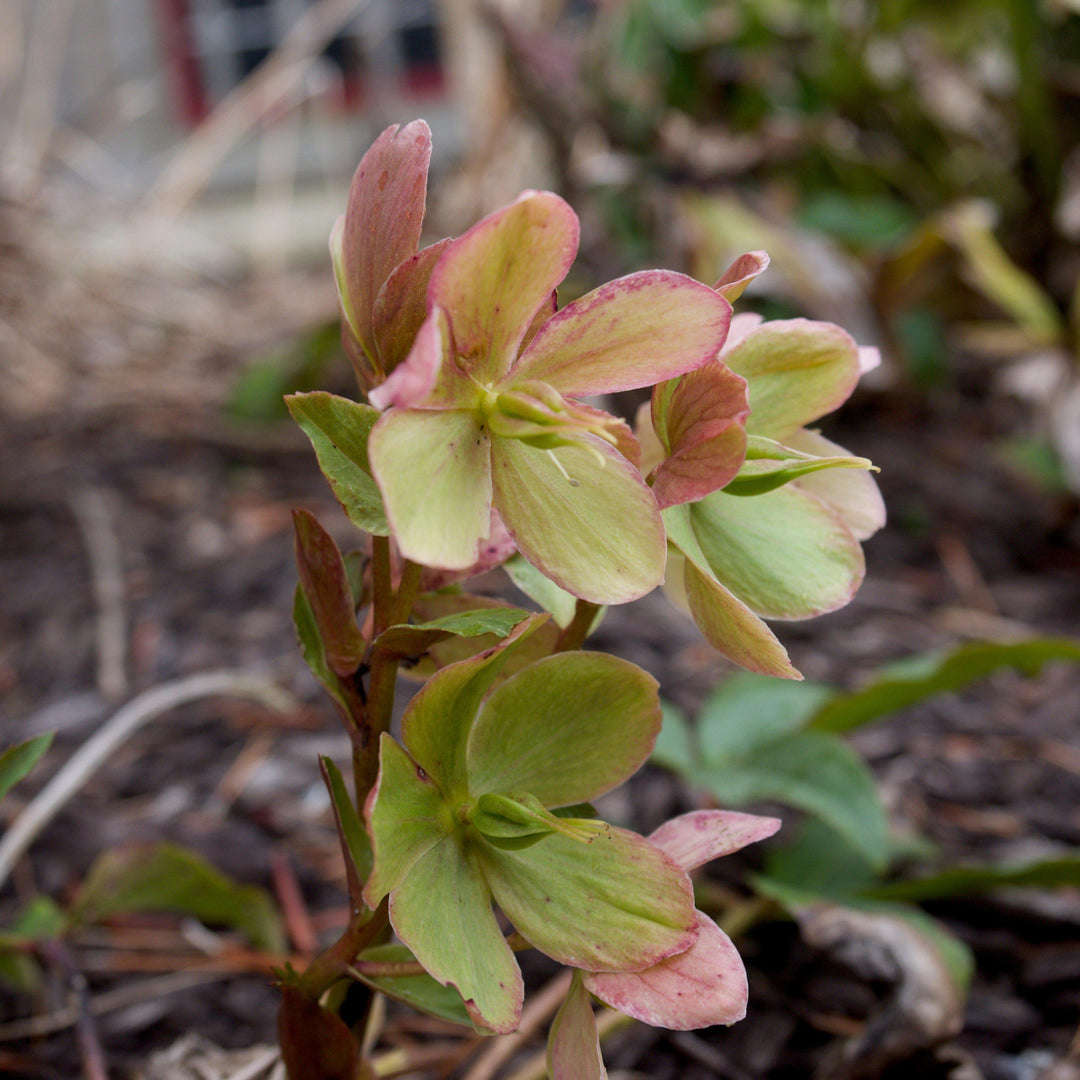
(778, 536)
(463, 814)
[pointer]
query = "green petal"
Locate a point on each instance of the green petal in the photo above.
(494, 279)
(401, 306)
(797, 370)
(631, 332)
(785, 554)
(438, 720)
(565, 729)
(442, 911)
(406, 818)
(583, 516)
(727, 623)
(383, 218)
(433, 468)
(854, 495)
(615, 903)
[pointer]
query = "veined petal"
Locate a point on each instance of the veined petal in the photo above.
(727, 623)
(583, 516)
(700, 836)
(565, 729)
(797, 370)
(401, 306)
(496, 277)
(614, 903)
(434, 471)
(442, 912)
(703, 986)
(852, 493)
(404, 814)
(383, 217)
(701, 417)
(634, 331)
(785, 554)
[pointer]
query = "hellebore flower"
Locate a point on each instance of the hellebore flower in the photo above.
(484, 411)
(463, 814)
(381, 275)
(777, 535)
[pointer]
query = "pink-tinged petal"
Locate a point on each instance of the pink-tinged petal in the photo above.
(852, 493)
(401, 306)
(573, 1049)
(703, 986)
(727, 623)
(583, 516)
(703, 835)
(869, 358)
(494, 551)
(798, 370)
(383, 217)
(740, 273)
(634, 331)
(702, 419)
(625, 441)
(495, 278)
(427, 378)
(742, 324)
(434, 471)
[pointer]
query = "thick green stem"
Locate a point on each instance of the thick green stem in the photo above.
(574, 635)
(382, 585)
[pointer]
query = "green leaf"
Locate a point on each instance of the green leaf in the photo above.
(164, 877)
(411, 640)
(1058, 872)
(313, 651)
(748, 713)
(39, 920)
(812, 772)
(565, 729)
(17, 761)
(820, 861)
(355, 845)
(675, 747)
(420, 991)
(924, 676)
(338, 430)
(326, 586)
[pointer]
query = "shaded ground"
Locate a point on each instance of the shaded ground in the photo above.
(199, 510)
